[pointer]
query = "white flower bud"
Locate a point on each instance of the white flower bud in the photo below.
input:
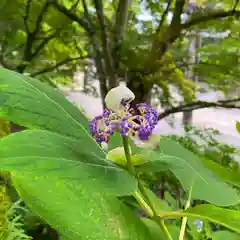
(104, 146)
(118, 95)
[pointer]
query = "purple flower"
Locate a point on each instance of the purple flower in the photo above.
(138, 122)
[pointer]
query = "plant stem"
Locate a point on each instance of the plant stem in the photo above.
(143, 204)
(164, 229)
(130, 166)
(143, 198)
(184, 220)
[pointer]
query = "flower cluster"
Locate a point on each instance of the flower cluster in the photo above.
(138, 123)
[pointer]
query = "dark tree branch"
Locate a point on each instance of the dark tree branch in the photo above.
(4, 44)
(40, 18)
(57, 65)
(31, 36)
(109, 68)
(173, 32)
(25, 18)
(163, 17)
(178, 10)
(208, 17)
(80, 20)
(74, 5)
(44, 42)
(235, 5)
(230, 104)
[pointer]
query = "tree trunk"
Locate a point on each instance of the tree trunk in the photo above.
(102, 79)
(194, 58)
(140, 88)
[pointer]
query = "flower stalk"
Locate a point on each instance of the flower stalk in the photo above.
(130, 165)
(137, 123)
(144, 201)
(184, 220)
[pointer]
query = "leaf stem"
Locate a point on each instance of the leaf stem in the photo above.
(143, 198)
(130, 165)
(184, 220)
(143, 204)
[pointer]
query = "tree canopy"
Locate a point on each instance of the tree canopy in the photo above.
(144, 43)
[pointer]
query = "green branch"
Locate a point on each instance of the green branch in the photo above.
(184, 220)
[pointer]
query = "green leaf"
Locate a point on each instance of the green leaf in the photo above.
(42, 152)
(33, 104)
(238, 126)
(158, 204)
(77, 211)
(170, 200)
(225, 235)
(222, 172)
(157, 233)
(2, 3)
(115, 141)
(222, 216)
(190, 171)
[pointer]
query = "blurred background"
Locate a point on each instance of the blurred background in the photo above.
(170, 53)
(180, 56)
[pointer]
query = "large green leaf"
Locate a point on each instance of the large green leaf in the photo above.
(157, 233)
(159, 204)
(222, 216)
(115, 141)
(33, 104)
(190, 171)
(222, 172)
(44, 153)
(77, 211)
(225, 235)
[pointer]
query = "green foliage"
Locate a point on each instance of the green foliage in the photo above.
(40, 106)
(62, 174)
(222, 235)
(52, 39)
(11, 225)
(222, 216)
(65, 178)
(189, 170)
(77, 210)
(226, 174)
(36, 39)
(69, 160)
